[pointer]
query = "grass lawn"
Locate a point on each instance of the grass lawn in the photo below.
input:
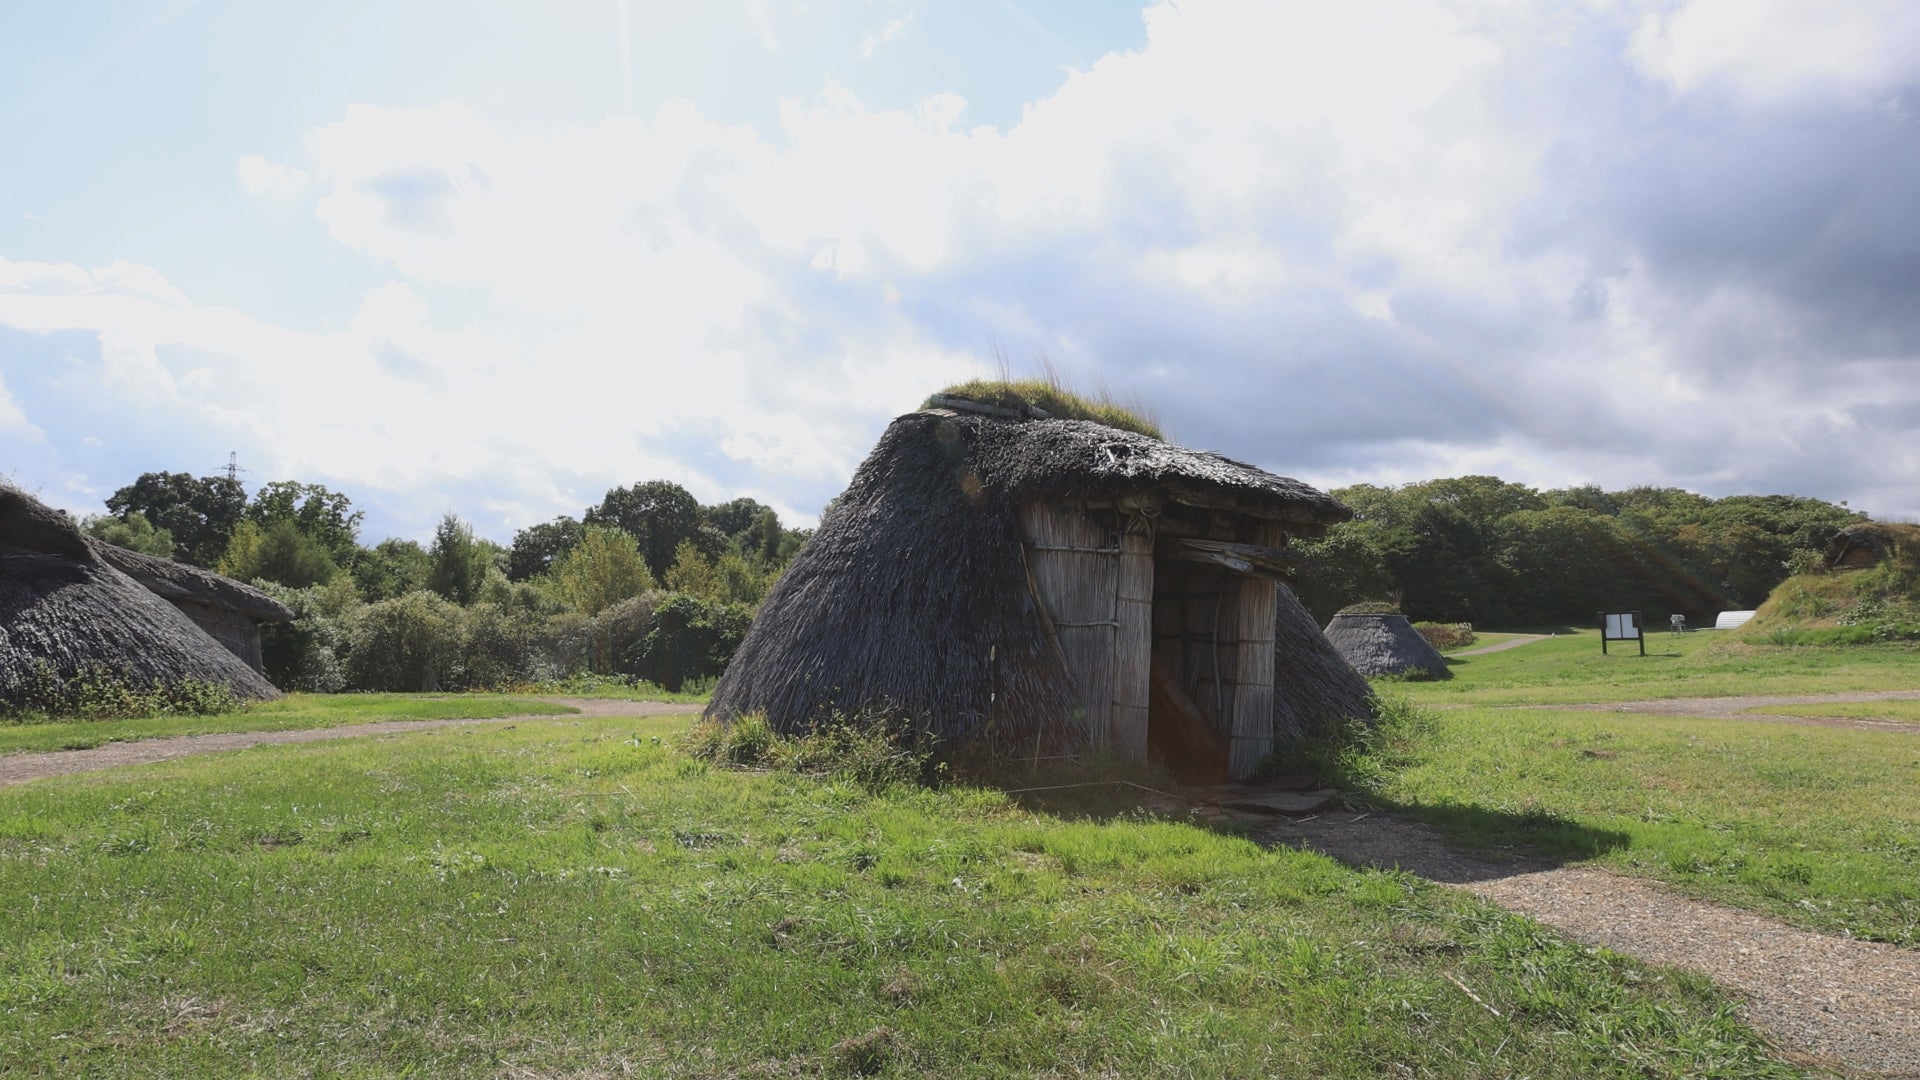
(288, 713)
(1482, 639)
(1907, 711)
(1570, 669)
(1817, 826)
(577, 897)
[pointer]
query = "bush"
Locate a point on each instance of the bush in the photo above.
(98, 691)
(410, 642)
(1361, 753)
(1445, 636)
(689, 639)
(308, 654)
(875, 750)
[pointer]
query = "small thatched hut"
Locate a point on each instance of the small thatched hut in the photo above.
(1038, 587)
(64, 609)
(1385, 644)
(230, 612)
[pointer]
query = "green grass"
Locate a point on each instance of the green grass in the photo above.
(289, 713)
(1819, 826)
(1906, 711)
(577, 897)
(1482, 639)
(1058, 401)
(1570, 669)
(619, 688)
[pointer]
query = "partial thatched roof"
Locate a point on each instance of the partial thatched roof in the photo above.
(178, 581)
(913, 594)
(1377, 644)
(1313, 685)
(63, 610)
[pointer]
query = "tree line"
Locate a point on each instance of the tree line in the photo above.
(1483, 550)
(647, 583)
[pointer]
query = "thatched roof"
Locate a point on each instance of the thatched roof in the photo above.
(1377, 644)
(64, 609)
(913, 595)
(180, 582)
(1313, 685)
(1869, 542)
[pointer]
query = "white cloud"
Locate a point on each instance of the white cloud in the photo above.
(1773, 50)
(1375, 240)
(258, 176)
(871, 43)
(13, 419)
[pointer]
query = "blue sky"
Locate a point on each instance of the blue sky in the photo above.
(497, 257)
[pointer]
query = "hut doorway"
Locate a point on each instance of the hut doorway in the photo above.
(1169, 645)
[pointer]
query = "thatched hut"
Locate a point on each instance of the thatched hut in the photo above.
(1868, 544)
(1385, 644)
(230, 612)
(1040, 587)
(64, 609)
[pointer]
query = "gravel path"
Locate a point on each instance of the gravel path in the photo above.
(1734, 708)
(1853, 1006)
(20, 768)
(1512, 643)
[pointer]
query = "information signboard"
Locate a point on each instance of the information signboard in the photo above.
(1621, 626)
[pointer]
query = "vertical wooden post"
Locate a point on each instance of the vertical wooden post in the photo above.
(1253, 700)
(1132, 648)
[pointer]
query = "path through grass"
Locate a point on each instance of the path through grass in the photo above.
(295, 711)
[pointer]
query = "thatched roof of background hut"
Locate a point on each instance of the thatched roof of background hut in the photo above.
(190, 584)
(66, 610)
(913, 594)
(1313, 685)
(1385, 644)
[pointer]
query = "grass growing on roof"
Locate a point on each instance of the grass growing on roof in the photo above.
(1058, 401)
(579, 897)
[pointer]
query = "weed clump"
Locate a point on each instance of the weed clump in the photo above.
(875, 751)
(1056, 400)
(1361, 754)
(100, 691)
(1444, 636)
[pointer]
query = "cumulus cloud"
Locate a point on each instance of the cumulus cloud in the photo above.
(258, 176)
(13, 419)
(1382, 240)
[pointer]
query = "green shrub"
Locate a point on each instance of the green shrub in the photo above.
(99, 691)
(875, 750)
(1360, 754)
(411, 642)
(1445, 636)
(689, 639)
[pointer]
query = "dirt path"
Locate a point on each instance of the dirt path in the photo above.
(1734, 708)
(1513, 643)
(1829, 1001)
(20, 768)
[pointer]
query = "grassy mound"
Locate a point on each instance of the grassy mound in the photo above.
(1056, 400)
(1848, 606)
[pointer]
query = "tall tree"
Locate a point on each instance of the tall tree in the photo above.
(200, 513)
(736, 515)
(131, 531)
(391, 568)
(658, 514)
(604, 568)
(537, 546)
(458, 562)
(327, 517)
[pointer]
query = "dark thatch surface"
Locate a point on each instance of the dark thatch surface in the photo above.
(64, 610)
(178, 581)
(1385, 645)
(913, 597)
(1314, 687)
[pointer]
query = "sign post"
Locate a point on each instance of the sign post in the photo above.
(1621, 626)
